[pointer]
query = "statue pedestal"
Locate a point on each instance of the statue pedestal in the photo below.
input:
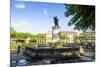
(55, 33)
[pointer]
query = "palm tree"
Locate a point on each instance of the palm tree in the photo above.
(83, 16)
(41, 38)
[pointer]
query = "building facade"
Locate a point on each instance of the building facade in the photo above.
(70, 35)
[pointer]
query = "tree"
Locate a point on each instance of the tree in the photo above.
(83, 16)
(13, 34)
(41, 38)
(89, 36)
(64, 37)
(21, 35)
(76, 38)
(85, 37)
(28, 35)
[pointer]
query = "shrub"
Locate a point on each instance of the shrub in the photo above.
(13, 45)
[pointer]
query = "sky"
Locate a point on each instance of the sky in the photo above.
(37, 17)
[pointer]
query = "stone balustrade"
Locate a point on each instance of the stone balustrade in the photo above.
(44, 52)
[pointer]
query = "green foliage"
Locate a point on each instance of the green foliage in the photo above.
(24, 45)
(19, 35)
(13, 35)
(13, 45)
(83, 16)
(76, 38)
(37, 39)
(64, 37)
(84, 36)
(88, 35)
(41, 38)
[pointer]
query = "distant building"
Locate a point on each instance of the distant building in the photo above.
(70, 35)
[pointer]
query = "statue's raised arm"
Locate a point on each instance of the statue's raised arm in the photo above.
(56, 20)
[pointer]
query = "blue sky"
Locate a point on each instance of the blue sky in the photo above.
(37, 17)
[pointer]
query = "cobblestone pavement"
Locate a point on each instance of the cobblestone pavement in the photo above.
(24, 60)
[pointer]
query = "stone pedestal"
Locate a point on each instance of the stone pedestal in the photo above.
(55, 33)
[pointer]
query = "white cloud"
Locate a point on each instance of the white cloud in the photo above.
(45, 12)
(22, 26)
(20, 6)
